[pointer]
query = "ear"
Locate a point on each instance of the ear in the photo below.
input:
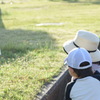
(71, 69)
(72, 73)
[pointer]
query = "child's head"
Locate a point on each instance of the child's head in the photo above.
(79, 62)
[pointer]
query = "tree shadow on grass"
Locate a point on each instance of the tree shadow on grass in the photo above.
(97, 2)
(1, 22)
(85, 1)
(79, 1)
(17, 43)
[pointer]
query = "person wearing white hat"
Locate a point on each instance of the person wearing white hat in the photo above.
(86, 86)
(90, 42)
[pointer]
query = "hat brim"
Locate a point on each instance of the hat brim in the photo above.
(68, 46)
(95, 56)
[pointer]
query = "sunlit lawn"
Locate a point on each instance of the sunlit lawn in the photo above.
(31, 54)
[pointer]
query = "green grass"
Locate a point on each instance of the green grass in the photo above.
(32, 55)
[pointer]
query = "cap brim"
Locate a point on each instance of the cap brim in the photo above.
(95, 56)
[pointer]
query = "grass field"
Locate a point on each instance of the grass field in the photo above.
(33, 54)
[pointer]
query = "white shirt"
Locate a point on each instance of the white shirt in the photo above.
(95, 67)
(87, 88)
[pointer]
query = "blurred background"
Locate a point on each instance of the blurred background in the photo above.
(32, 33)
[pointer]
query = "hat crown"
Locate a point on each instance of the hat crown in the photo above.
(87, 40)
(77, 56)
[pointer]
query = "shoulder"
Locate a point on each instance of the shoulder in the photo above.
(97, 76)
(68, 90)
(96, 72)
(70, 85)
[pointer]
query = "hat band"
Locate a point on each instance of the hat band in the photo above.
(79, 47)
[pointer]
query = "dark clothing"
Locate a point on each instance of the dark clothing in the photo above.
(87, 88)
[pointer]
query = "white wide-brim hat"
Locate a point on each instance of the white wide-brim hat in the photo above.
(87, 40)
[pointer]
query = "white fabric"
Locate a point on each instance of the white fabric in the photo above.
(95, 67)
(87, 88)
(76, 57)
(87, 40)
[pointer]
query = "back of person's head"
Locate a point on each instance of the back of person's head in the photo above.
(80, 61)
(81, 73)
